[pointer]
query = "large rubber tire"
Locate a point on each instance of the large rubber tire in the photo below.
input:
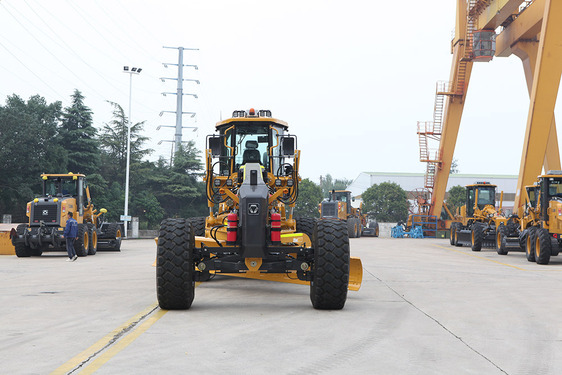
(22, 251)
(501, 240)
(175, 267)
(453, 233)
(477, 236)
(114, 232)
(328, 288)
(306, 225)
(359, 228)
(93, 239)
(350, 228)
(530, 244)
(198, 225)
(543, 247)
(82, 244)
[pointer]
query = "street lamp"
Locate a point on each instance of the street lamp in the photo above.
(131, 71)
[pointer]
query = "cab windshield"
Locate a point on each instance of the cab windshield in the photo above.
(250, 143)
(486, 196)
(340, 197)
(60, 187)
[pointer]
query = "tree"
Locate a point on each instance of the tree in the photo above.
(387, 202)
(310, 195)
(28, 147)
(454, 167)
(177, 187)
(456, 198)
(327, 184)
(79, 137)
(114, 145)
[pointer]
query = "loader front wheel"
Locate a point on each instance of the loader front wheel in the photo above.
(543, 246)
(175, 267)
(501, 235)
(328, 288)
(477, 236)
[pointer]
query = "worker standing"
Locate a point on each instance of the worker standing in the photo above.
(70, 233)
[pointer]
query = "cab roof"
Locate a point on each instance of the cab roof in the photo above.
(62, 175)
(251, 116)
(552, 173)
(481, 184)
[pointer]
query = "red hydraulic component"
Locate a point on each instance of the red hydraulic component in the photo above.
(276, 228)
(231, 229)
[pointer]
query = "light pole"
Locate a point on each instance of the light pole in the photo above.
(126, 210)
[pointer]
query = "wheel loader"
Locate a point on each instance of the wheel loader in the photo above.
(338, 206)
(252, 184)
(479, 224)
(63, 193)
(542, 227)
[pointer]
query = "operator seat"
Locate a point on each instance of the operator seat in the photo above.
(251, 153)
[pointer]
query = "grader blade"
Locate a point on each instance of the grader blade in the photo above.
(355, 275)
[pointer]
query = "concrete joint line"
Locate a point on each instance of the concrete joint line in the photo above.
(441, 325)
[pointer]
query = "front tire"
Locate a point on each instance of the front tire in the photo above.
(501, 242)
(543, 247)
(530, 244)
(175, 267)
(114, 232)
(81, 245)
(477, 236)
(453, 234)
(328, 288)
(93, 239)
(22, 251)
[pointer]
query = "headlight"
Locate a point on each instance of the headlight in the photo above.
(277, 182)
(290, 183)
(229, 182)
(217, 182)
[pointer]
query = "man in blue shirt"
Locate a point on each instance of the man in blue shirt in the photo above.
(71, 233)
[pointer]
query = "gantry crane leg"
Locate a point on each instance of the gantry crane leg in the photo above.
(527, 52)
(461, 69)
(546, 80)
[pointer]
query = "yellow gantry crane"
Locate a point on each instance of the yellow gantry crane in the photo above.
(531, 30)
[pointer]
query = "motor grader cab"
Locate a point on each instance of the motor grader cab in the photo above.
(338, 206)
(542, 227)
(252, 184)
(478, 223)
(63, 193)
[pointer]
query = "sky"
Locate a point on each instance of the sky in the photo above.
(351, 78)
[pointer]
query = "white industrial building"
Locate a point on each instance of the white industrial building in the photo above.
(414, 181)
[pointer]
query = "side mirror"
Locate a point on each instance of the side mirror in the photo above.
(287, 146)
(215, 144)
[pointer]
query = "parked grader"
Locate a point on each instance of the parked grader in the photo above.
(63, 193)
(339, 207)
(479, 224)
(541, 223)
(252, 184)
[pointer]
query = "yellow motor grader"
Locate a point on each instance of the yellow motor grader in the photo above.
(338, 206)
(252, 184)
(63, 193)
(479, 224)
(542, 218)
